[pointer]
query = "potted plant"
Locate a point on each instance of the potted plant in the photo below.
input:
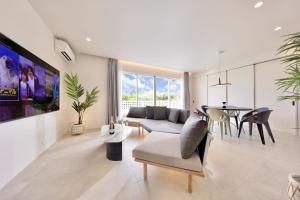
(290, 85)
(76, 91)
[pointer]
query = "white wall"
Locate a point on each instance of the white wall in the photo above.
(92, 72)
(21, 141)
(242, 93)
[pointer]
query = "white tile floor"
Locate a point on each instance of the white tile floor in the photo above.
(76, 168)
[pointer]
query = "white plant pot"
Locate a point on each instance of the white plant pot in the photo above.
(77, 129)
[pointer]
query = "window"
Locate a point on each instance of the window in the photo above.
(129, 92)
(175, 93)
(162, 92)
(144, 90)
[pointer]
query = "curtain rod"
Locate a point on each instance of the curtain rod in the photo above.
(257, 63)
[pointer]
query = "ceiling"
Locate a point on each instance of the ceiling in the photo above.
(179, 34)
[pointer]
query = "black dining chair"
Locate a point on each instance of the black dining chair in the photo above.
(204, 108)
(250, 114)
(259, 117)
(202, 114)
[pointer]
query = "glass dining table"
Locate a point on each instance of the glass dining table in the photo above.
(229, 108)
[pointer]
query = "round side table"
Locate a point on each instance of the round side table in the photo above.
(294, 187)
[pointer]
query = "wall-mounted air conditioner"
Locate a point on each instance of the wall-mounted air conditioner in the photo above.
(64, 49)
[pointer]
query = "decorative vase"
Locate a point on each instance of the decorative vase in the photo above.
(77, 129)
(224, 104)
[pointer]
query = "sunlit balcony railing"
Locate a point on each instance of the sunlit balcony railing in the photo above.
(125, 105)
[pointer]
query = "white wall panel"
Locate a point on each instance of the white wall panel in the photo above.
(240, 93)
(283, 116)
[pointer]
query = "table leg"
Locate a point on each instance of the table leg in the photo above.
(114, 151)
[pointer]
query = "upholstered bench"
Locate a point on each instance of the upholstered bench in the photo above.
(163, 150)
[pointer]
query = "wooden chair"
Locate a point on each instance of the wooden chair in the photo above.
(259, 117)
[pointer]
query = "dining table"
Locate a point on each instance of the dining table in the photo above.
(229, 108)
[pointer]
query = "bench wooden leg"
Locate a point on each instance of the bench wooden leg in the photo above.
(189, 183)
(143, 131)
(145, 171)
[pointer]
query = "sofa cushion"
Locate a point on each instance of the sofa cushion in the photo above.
(161, 125)
(183, 116)
(192, 133)
(164, 149)
(137, 112)
(160, 113)
(173, 115)
(149, 112)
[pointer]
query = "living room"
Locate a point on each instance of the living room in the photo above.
(214, 65)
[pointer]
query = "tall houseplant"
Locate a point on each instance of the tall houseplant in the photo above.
(76, 91)
(290, 85)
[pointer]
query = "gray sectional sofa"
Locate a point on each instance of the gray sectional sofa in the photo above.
(173, 132)
(139, 117)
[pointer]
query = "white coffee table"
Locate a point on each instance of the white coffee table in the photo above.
(114, 141)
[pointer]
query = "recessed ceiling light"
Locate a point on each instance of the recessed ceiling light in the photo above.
(278, 28)
(258, 4)
(88, 39)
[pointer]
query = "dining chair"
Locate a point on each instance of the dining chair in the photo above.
(250, 114)
(234, 114)
(203, 115)
(259, 117)
(204, 108)
(221, 117)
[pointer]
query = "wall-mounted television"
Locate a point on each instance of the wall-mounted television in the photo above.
(28, 85)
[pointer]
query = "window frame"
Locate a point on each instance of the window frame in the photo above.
(137, 75)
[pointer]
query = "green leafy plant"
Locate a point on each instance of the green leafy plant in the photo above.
(290, 84)
(75, 91)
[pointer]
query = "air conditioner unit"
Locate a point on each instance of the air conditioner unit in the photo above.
(64, 49)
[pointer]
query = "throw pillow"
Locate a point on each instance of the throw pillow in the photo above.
(184, 114)
(160, 113)
(192, 133)
(173, 115)
(149, 112)
(137, 112)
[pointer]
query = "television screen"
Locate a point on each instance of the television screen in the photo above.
(28, 85)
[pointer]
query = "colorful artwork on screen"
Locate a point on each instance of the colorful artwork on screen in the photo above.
(28, 86)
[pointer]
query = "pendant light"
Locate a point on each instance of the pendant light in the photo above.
(220, 71)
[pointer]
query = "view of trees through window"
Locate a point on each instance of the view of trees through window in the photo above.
(162, 91)
(175, 86)
(143, 90)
